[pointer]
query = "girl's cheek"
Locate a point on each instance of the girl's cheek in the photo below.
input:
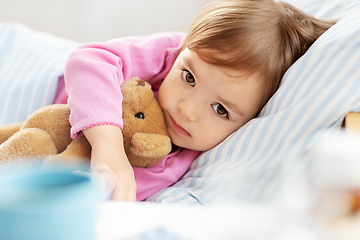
(164, 100)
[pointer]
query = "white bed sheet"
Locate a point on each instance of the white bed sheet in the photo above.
(158, 222)
(151, 221)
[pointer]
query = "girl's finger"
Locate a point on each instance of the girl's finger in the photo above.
(122, 193)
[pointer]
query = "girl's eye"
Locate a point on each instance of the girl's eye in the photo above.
(220, 110)
(188, 77)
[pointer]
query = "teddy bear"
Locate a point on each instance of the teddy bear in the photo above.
(45, 134)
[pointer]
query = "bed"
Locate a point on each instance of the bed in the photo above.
(314, 97)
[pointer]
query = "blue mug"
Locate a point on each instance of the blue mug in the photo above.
(47, 205)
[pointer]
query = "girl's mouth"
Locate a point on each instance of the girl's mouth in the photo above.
(178, 128)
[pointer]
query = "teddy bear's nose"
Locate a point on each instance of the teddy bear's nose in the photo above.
(141, 82)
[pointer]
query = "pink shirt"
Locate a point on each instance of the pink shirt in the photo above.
(94, 73)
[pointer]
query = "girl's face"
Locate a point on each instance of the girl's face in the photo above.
(203, 103)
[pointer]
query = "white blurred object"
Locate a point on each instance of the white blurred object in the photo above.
(135, 221)
(334, 181)
(334, 173)
(338, 160)
(101, 20)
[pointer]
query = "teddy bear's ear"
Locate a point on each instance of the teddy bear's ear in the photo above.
(136, 87)
(140, 82)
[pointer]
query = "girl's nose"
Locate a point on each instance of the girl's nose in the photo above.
(188, 110)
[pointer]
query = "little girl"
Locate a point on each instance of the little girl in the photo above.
(209, 83)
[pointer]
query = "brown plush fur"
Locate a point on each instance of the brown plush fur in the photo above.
(46, 133)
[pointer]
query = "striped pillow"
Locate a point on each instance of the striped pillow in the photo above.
(315, 95)
(30, 65)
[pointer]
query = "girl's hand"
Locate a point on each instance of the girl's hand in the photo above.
(108, 159)
(122, 186)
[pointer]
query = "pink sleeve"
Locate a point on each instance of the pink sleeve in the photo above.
(94, 73)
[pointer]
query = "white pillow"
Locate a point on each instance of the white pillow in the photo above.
(315, 95)
(30, 65)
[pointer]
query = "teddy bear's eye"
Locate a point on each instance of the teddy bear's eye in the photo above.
(140, 115)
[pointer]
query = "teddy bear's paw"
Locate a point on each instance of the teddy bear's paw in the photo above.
(150, 145)
(7, 131)
(27, 143)
(76, 156)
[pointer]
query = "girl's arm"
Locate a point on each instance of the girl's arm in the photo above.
(109, 160)
(93, 76)
(94, 73)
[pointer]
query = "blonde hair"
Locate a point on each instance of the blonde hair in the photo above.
(261, 37)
